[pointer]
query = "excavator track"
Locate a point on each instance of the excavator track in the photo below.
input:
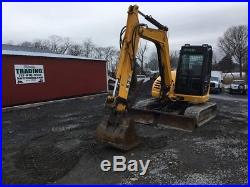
(202, 113)
(148, 111)
(162, 119)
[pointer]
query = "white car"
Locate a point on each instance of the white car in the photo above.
(238, 86)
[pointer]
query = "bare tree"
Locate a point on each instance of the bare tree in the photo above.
(235, 43)
(214, 59)
(37, 43)
(58, 44)
(65, 45)
(225, 65)
(75, 50)
(109, 55)
(88, 48)
(141, 55)
(98, 52)
(26, 44)
(41, 44)
(55, 42)
(114, 59)
(153, 61)
(174, 58)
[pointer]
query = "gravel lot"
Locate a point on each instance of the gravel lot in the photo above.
(55, 143)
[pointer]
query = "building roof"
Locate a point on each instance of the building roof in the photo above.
(48, 55)
(23, 48)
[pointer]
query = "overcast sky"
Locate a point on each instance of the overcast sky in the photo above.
(193, 23)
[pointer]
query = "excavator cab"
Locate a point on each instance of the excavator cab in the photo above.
(194, 70)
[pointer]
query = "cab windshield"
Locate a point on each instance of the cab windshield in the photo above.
(191, 64)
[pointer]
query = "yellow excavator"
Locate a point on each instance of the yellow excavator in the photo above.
(180, 99)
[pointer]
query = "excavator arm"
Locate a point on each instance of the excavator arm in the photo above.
(117, 129)
(125, 68)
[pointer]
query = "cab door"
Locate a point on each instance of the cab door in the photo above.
(193, 72)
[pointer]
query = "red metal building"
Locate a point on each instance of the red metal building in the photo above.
(30, 77)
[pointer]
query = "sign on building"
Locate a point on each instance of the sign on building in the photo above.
(29, 74)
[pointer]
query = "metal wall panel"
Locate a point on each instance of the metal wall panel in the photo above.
(64, 78)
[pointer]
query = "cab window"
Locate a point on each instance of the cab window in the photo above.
(191, 64)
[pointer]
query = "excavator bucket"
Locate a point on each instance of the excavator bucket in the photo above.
(118, 131)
